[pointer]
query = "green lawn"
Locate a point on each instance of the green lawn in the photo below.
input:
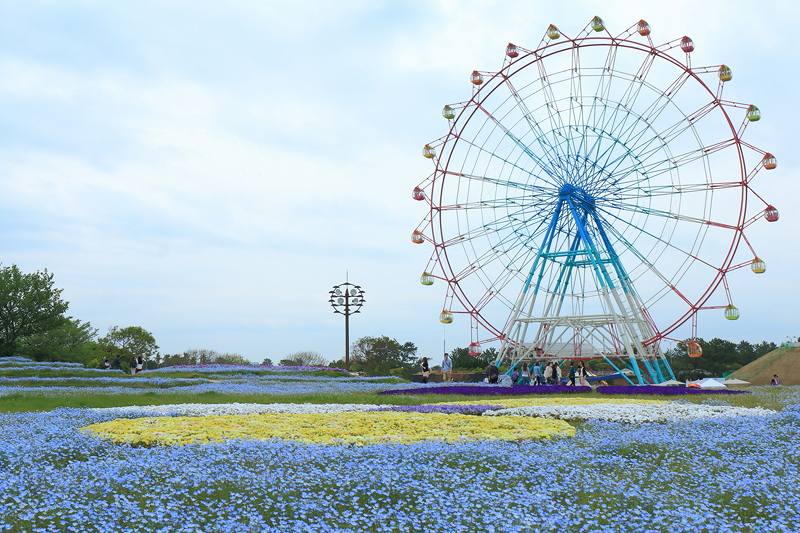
(45, 401)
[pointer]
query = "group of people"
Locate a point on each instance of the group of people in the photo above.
(541, 373)
(137, 364)
(447, 369)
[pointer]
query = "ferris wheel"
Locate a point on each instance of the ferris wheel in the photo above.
(590, 198)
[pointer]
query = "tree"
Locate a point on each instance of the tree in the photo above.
(129, 342)
(379, 355)
(204, 356)
(306, 359)
(463, 360)
(267, 361)
(29, 305)
(720, 357)
(71, 340)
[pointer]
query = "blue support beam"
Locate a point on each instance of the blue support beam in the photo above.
(618, 370)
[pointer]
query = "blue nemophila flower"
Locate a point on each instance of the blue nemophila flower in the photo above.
(720, 475)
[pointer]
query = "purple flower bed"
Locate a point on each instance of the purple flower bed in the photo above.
(445, 409)
(663, 391)
(477, 390)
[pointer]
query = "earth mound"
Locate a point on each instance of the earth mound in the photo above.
(784, 361)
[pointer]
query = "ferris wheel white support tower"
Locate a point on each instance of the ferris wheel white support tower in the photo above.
(619, 330)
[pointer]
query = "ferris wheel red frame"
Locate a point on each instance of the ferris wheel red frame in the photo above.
(434, 228)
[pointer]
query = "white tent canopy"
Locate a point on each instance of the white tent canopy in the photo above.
(709, 383)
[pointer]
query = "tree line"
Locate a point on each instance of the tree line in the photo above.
(34, 323)
(719, 358)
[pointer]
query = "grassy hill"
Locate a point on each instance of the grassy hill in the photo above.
(783, 361)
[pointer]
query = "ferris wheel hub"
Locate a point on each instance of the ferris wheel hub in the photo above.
(577, 195)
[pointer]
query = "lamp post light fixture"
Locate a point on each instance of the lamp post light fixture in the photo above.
(346, 299)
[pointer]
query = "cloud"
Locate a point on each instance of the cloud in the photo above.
(209, 172)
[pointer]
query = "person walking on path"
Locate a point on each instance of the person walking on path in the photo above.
(426, 370)
(557, 373)
(447, 368)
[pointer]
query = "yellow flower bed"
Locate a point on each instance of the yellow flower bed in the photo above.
(328, 428)
(509, 403)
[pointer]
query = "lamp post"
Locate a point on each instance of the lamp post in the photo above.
(346, 299)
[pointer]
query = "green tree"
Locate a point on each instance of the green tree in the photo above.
(71, 340)
(129, 342)
(720, 357)
(30, 304)
(380, 355)
(306, 358)
(203, 356)
(463, 360)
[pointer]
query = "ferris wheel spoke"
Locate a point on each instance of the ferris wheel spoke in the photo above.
(536, 129)
(538, 191)
(670, 190)
(654, 110)
(612, 125)
(662, 166)
(497, 203)
(597, 151)
(576, 116)
(629, 98)
(667, 135)
(553, 113)
(665, 214)
(604, 84)
(511, 238)
(649, 264)
(494, 289)
(500, 224)
(517, 185)
(661, 240)
(483, 230)
(522, 146)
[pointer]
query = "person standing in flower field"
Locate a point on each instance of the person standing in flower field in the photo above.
(572, 373)
(447, 368)
(582, 373)
(556, 374)
(492, 373)
(426, 370)
(525, 375)
(538, 375)
(548, 374)
(775, 380)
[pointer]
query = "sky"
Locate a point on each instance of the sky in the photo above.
(208, 170)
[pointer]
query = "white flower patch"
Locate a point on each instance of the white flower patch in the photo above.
(202, 409)
(632, 413)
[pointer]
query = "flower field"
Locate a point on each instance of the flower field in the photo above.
(577, 462)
